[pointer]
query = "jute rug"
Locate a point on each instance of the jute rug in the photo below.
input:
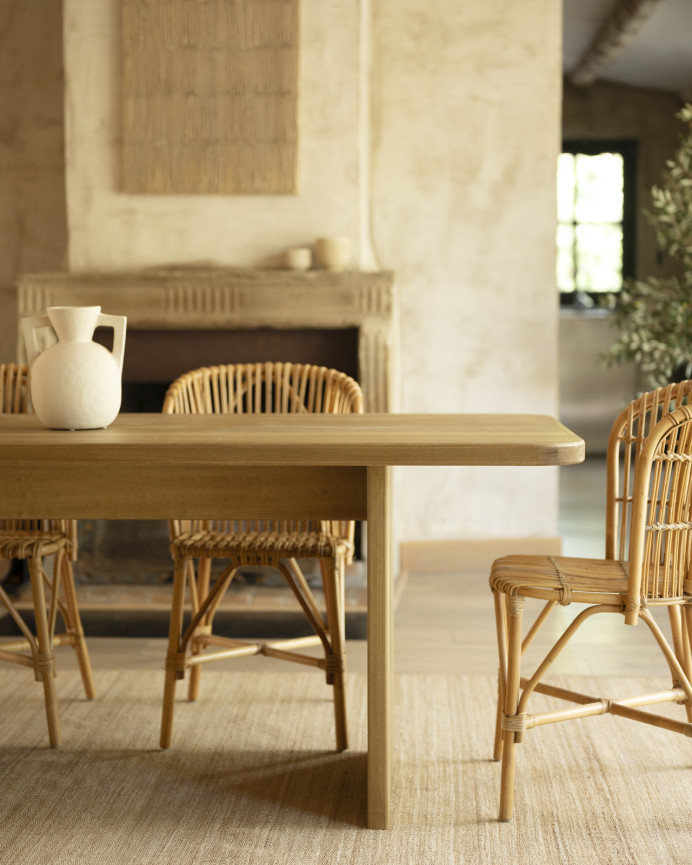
(251, 778)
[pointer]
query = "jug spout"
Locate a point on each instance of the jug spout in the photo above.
(74, 323)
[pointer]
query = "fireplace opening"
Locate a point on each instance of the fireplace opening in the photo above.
(154, 358)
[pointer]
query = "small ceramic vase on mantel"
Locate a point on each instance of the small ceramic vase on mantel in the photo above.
(76, 383)
(333, 253)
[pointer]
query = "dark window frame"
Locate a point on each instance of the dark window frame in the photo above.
(627, 147)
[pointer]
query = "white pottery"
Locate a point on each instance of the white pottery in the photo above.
(333, 253)
(76, 383)
(299, 258)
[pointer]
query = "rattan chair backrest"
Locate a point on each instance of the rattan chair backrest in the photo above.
(15, 397)
(660, 531)
(264, 388)
(256, 388)
(627, 436)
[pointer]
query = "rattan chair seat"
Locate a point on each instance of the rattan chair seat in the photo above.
(24, 545)
(260, 548)
(560, 578)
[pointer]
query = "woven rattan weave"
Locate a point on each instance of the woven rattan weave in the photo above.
(243, 389)
(31, 541)
(648, 555)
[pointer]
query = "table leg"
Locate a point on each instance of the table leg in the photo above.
(380, 633)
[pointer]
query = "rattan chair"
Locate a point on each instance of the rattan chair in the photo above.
(31, 541)
(245, 389)
(646, 564)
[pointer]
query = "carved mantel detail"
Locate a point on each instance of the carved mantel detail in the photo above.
(197, 298)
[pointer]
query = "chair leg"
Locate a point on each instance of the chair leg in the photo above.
(681, 646)
(515, 608)
(44, 661)
(74, 625)
(687, 649)
(501, 624)
(175, 664)
(203, 581)
(333, 582)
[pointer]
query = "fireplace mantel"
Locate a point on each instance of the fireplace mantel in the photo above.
(197, 298)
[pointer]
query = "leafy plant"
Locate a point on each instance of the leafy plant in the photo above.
(654, 316)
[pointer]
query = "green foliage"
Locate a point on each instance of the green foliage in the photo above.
(654, 316)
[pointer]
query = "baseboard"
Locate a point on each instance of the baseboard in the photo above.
(452, 555)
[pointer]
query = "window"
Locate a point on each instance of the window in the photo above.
(595, 233)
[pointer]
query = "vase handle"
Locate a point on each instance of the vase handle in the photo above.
(29, 326)
(118, 323)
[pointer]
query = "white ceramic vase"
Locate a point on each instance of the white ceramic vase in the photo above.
(76, 383)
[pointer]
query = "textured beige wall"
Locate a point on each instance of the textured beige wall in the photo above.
(33, 223)
(466, 126)
(465, 112)
(109, 229)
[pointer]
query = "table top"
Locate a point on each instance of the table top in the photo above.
(305, 440)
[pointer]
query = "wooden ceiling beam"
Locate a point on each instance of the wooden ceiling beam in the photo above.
(619, 28)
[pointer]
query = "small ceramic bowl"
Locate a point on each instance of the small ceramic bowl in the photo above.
(299, 258)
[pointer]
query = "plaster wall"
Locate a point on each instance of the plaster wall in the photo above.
(110, 230)
(592, 394)
(466, 130)
(438, 160)
(33, 223)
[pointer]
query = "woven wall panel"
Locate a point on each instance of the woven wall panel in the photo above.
(209, 96)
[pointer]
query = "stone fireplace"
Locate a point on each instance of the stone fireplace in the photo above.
(236, 299)
(183, 317)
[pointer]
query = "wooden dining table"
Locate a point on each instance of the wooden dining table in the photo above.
(155, 466)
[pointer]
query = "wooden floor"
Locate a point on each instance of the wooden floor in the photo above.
(444, 621)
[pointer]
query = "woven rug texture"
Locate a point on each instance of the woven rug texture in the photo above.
(252, 778)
